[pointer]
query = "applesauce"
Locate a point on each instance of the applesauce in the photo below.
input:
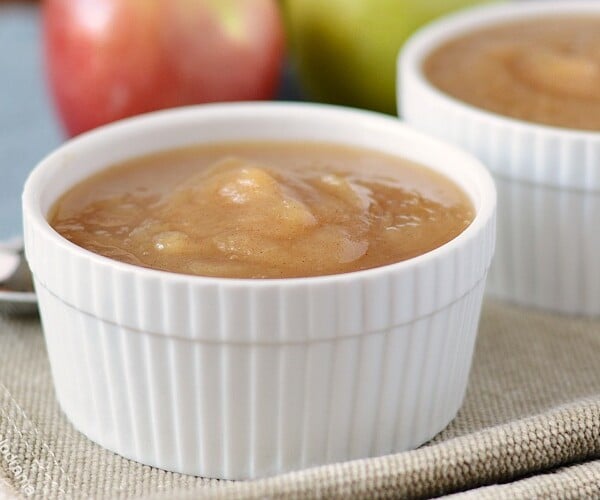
(263, 210)
(544, 70)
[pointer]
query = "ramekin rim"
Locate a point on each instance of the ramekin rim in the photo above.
(32, 208)
(431, 36)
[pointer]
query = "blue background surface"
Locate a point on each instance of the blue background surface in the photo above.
(28, 129)
(28, 126)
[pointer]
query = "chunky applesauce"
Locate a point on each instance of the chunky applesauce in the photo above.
(263, 210)
(544, 70)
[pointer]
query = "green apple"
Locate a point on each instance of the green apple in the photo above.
(345, 50)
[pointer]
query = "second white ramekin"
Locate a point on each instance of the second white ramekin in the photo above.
(548, 178)
(234, 378)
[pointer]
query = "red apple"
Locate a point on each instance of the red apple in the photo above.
(109, 59)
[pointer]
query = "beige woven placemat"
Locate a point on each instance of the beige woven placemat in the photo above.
(530, 421)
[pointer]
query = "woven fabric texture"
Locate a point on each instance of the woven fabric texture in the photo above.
(529, 428)
(576, 482)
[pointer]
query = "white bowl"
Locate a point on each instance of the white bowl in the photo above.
(239, 378)
(548, 178)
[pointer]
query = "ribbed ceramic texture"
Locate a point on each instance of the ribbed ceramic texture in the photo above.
(548, 179)
(236, 411)
(245, 378)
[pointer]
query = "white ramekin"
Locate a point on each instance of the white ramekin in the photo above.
(548, 178)
(235, 378)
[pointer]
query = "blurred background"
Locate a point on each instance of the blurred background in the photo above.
(67, 66)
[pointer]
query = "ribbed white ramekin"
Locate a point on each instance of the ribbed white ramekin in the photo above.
(548, 178)
(236, 378)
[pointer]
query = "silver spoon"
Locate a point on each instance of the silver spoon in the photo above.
(16, 284)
